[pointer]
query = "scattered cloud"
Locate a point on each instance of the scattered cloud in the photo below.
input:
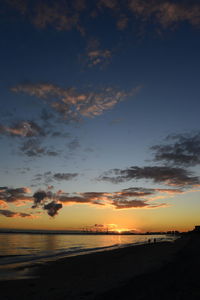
(52, 202)
(64, 176)
(18, 196)
(165, 12)
(60, 15)
(144, 192)
(180, 149)
(83, 198)
(96, 55)
(39, 197)
(73, 15)
(48, 177)
(122, 22)
(33, 148)
(30, 137)
(24, 129)
(73, 105)
(119, 200)
(52, 208)
(47, 201)
(10, 214)
(159, 174)
(126, 204)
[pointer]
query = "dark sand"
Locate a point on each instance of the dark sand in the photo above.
(153, 271)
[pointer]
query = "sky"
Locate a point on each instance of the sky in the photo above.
(99, 114)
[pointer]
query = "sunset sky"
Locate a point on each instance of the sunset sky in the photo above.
(99, 114)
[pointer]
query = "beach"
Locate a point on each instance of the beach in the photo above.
(166, 270)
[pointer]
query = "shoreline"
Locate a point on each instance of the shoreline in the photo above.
(91, 275)
(17, 261)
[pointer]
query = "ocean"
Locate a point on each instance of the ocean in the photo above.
(17, 249)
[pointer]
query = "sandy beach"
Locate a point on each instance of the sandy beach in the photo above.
(167, 270)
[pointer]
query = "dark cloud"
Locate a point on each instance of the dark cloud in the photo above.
(121, 204)
(125, 204)
(52, 202)
(141, 192)
(119, 200)
(48, 177)
(19, 196)
(30, 137)
(52, 208)
(159, 174)
(74, 199)
(96, 198)
(64, 176)
(23, 128)
(180, 149)
(48, 201)
(137, 192)
(39, 197)
(33, 148)
(11, 214)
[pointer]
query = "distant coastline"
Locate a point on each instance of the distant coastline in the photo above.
(79, 232)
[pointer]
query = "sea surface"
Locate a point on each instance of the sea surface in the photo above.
(17, 250)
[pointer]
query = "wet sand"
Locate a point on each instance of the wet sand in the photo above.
(153, 271)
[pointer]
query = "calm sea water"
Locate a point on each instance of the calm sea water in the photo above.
(18, 249)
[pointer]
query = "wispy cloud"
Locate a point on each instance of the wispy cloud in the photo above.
(34, 148)
(98, 56)
(49, 177)
(73, 105)
(112, 4)
(117, 200)
(124, 199)
(60, 15)
(23, 128)
(64, 176)
(158, 174)
(122, 22)
(179, 149)
(95, 55)
(126, 204)
(166, 13)
(73, 15)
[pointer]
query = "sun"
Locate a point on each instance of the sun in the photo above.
(121, 230)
